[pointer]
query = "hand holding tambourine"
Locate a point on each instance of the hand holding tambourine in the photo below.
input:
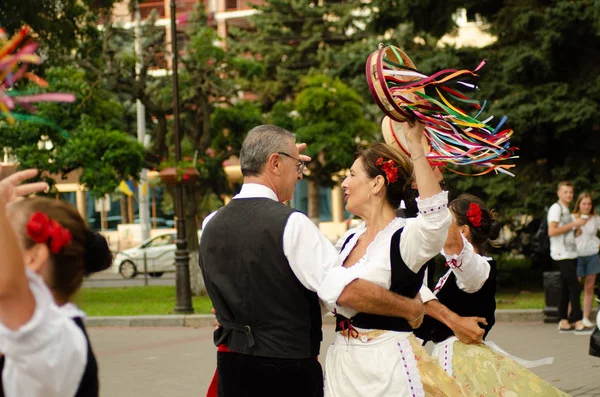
(451, 136)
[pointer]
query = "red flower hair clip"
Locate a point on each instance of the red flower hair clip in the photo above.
(474, 214)
(389, 168)
(42, 229)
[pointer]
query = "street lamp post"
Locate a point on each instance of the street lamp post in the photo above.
(182, 257)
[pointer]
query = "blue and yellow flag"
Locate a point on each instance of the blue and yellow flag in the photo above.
(124, 187)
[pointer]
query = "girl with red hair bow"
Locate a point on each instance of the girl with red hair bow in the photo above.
(47, 249)
(462, 313)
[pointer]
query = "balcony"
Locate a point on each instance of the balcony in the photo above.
(239, 5)
(182, 6)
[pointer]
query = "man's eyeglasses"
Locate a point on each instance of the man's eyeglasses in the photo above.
(301, 165)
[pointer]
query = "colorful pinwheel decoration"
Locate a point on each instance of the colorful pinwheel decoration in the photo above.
(16, 54)
(453, 136)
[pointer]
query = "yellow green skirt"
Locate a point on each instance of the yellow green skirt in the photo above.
(481, 371)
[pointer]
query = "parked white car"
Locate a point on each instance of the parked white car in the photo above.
(157, 251)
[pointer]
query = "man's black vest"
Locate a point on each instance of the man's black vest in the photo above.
(404, 282)
(88, 386)
(477, 304)
(262, 307)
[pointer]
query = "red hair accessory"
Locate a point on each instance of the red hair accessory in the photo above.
(474, 214)
(41, 228)
(389, 168)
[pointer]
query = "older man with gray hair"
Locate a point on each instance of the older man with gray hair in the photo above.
(263, 263)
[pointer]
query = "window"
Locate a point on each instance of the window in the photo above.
(161, 241)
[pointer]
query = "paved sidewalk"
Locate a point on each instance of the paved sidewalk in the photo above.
(180, 361)
(207, 320)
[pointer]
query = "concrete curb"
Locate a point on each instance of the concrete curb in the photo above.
(208, 320)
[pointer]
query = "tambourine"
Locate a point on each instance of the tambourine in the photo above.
(391, 61)
(393, 135)
(452, 136)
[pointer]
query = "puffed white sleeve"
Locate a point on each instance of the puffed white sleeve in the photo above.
(46, 357)
(424, 236)
(314, 260)
(426, 294)
(470, 269)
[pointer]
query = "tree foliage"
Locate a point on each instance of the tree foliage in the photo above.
(540, 73)
(60, 25)
(289, 39)
(327, 115)
(330, 120)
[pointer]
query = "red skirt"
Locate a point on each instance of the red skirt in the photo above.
(214, 383)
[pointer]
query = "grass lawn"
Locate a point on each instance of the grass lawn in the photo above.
(131, 301)
(524, 300)
(520, 300)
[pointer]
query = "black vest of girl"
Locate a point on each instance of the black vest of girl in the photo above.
(477, 304)
(263, 309)
(404, 282)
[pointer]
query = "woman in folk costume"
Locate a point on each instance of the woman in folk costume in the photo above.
(465, 298)
(46, 251)
(376, 355)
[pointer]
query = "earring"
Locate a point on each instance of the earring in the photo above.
(378, 201)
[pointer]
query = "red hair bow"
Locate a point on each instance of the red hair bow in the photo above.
(389, 168)
(474, 214)
(41, 228)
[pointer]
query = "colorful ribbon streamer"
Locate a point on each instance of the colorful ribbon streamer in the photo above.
(16, 54)
(454, 136)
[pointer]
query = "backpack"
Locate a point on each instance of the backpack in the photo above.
(540, 241)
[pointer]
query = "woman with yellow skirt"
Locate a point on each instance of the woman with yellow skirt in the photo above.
(462, 313)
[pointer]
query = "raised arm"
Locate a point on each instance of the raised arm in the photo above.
(471, 269)
(427, 183)
(424, 236)
(17, 303)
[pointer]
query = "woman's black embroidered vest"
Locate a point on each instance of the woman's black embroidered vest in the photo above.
(404, 282)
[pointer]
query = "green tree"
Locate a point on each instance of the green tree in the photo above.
(289, 39)
(59, 25)
(328, 116)
(540, 73)
(231, 123)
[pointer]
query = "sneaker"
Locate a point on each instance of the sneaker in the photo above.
(583, 331)
(587, 323)
(580, 328)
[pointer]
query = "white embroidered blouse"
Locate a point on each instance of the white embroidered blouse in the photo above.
(423, 237)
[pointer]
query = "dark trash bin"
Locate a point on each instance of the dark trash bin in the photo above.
(552, 296)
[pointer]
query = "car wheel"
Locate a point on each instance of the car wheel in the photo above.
(155, 274)
(127, 269)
